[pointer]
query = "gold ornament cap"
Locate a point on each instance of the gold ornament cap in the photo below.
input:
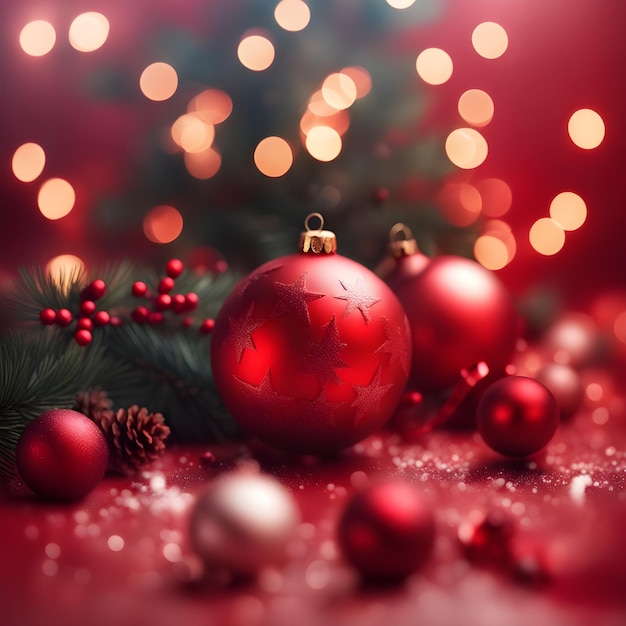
(401, 242)
(317, 241)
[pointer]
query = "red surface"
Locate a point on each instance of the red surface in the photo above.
(569, 508)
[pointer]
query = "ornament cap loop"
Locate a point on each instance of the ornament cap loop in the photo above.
(317, 241)
(401, 242)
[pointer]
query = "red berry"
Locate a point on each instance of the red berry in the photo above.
(191, 301)
(87, 307)
(116, 320)
(174, 268)
(83, 337)
(84, 323)
(47, 316)
(139, 289)
(97, 289)
(178, 303)
(207, 458)
(207, 326)
(64, 317)
(155, 317)
(140, 314)
(187, 322)
(101, 318)
(163, 301)
(165, 285)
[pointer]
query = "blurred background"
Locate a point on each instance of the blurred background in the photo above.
(208, 130)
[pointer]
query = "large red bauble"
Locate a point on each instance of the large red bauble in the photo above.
(460, 314)
(311, 352)
(62, 454)
(387, 531)
(517, 416)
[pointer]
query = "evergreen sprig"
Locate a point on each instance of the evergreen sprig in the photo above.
(166, 367)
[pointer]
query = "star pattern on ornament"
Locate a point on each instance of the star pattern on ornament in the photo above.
(396, 345)
(319, 409)
(293, 299)
(263, 397)
(369, 397)
(323, 356)
(256, 276)
(240, 331)
(356, 298)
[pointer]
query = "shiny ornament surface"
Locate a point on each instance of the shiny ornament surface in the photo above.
(311, 352)
(460, 314)
(243, 522)
(517, 416)
(387, 531)
(62, 455)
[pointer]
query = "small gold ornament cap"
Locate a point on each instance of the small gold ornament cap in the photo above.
(317, 241)
(401, 242)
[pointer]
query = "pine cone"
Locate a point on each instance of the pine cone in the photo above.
(135, 437)
(93, 403)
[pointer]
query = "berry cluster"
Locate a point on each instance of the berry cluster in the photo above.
(88, 317)
(164, 300)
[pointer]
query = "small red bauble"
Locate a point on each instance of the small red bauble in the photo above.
(207, 326)
(460, 314)
(387, 531)
(101, 318)
(140, 314)
(64, 317)
(87, 307)
(96, 290)
(62, 454)
(191, 301)
(139, 289)
(84, 323)
(311, 351)
(517, 416)
(83, 337)
(165, 285)
(406, 260)
(163, 301)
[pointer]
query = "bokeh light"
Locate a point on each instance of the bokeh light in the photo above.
(496, 195)
(491, 252)
(339, 120)
(400, 4)
(203, 165)
(323, 143)
(163, 224)
(434, 66)
(292, 15)
(475, 106)
(568, 210)
(62, 268)
(490, 40)
(192, 134)
(158, 81)
(37, 38)
(318, 105)
(546, 236)
(339, 91)
(586, 129)
(460, 203)
(28, 162)
(496, 246)
(211, 105)
(361, 78)
(273, 156)
(88, 31)
(56, 198)
(466, 148)
(256, 52)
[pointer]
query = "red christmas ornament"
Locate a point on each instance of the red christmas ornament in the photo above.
(387, 531)
(311, 351)
(62, 455)
(517, 416)
(174, 268)
(47, 317)
(565, 385)
(407, 260)
(460, 314)
(83, 337)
